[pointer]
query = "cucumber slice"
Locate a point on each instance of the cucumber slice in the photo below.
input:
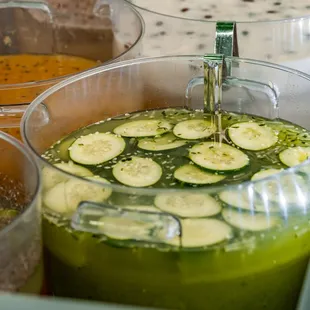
(121, 228)
(7, 216)
(163, 143)
(252, 136)
(194, 129)
(51, 177)
(288, 189)
(65, 197)
(265, 173)
(96, 148)
(55, 198)
(137, 172)
(141, 208)
(202, 232)
(8, 213)
(134, 199)
(249, 221)
(62, 148)
(188, 205)
(193, 175)
(294, 156)
(242, 200)
(218, 157)
(143, 128)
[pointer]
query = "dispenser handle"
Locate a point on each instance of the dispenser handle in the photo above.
(214, 69)
(226, 41)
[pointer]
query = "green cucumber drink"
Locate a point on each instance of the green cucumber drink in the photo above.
(148, 200)
(239, 247)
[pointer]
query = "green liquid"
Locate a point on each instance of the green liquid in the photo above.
(254, 270)
(269, 277)
(289, 135)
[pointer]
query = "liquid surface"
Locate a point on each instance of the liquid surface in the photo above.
(288, 135)
(31, 68)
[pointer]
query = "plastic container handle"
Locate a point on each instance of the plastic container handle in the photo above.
(125, 224)
(12, 114)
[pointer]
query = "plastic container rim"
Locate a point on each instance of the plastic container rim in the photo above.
(284, 20)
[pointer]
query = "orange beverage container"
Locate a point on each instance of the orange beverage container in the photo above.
(42, 43)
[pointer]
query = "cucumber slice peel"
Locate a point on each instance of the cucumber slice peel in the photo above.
(65, 197)
(194, 129)
(202, 232)
(294, 156)
(137, 172)
(96, 148)
(187, 204)
(252, 136)
(193, 175)
(51, 176)
(143, 128)
(249, 221)
(163, 143)
(218, 157)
